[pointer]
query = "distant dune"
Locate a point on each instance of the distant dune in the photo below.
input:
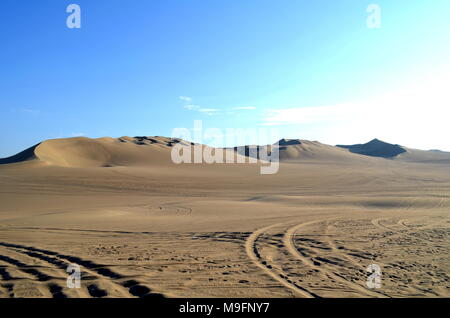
(431, 156)
(375, 148)
(296, 150)
(378, 148)
(146, 151)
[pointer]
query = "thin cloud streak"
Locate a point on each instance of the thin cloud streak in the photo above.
(210, 110)
(185, 98)
(244, 108)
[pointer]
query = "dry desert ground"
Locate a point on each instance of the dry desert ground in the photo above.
(139, 225)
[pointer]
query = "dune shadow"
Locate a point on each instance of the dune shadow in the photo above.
(27, 154)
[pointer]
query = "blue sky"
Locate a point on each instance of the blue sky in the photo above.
(311, 69)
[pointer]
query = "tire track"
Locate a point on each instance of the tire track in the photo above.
(288, 240)
(26, 268)
(6, 277)
(377, 223)
(338, 251)
(252, 252)
(9, 288)
(440, 204)
(54, 289)
(402, 223)
(134, 287)
(93, 290)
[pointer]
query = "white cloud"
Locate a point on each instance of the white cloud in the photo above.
(80, 134)
(211, 111)
(192, 107)
(415, 116)
(244, 108)
(208, 110)
(185, 98)
(205, 110)
(197, 108)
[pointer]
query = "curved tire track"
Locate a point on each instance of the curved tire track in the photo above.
(288, 240)
(54, 258)
(252, 252)
(378, 224)
(336, 250)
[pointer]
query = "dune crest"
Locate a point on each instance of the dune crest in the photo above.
(102, 152)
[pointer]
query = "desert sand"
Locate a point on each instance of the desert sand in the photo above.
(140, 226)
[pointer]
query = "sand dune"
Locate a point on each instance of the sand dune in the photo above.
(105, 152)
(299, 150)
(101, 152)
(415, 155)
(375, 148)
(292, 150)
(378, 148)
(154, 151)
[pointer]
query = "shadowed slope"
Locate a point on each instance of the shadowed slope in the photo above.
(375, 148)
(25, 155)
